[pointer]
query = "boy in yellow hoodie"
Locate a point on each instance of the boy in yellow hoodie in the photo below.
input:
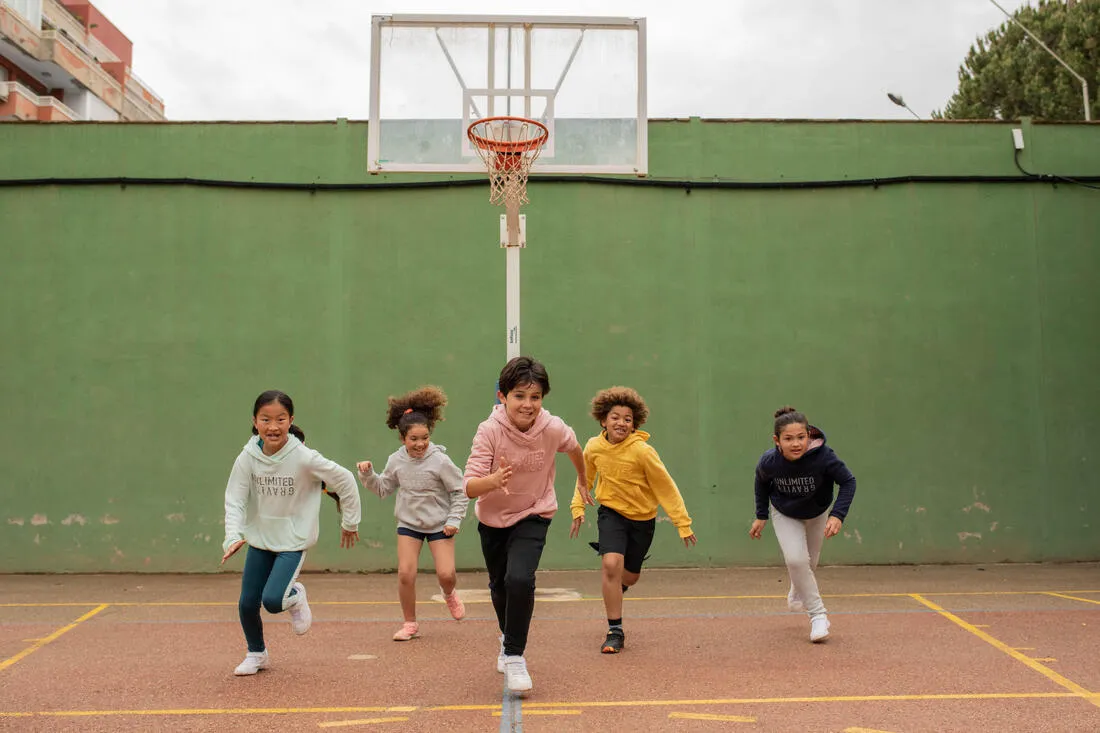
(629, 481)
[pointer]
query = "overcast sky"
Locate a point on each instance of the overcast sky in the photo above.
(310, 59)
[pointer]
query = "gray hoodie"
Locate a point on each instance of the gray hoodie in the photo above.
(431, 495)
(272, 502)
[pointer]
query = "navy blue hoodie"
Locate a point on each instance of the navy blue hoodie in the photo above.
(803, 488)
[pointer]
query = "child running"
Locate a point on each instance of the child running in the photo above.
(271, 503)
(630, 481)
(430, 505)
(511, 474)
(797, 477)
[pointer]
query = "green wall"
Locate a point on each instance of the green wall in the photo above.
(946, 336)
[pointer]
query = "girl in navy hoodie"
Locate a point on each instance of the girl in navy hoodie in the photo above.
(796, 477)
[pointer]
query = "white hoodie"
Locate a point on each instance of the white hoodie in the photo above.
(272, 502)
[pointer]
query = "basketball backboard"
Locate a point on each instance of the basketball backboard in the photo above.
(434, 75)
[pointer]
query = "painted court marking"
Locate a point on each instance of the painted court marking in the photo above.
(708, 716)
(38, 644)
(1047, 672)
(1071, 598)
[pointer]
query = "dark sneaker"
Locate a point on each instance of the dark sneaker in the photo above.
(614, 642)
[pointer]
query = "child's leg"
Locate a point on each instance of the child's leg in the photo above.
(815, 538)
(639, 540)
(494, 548)
(408, 556)
(443, 554)
(279, 593)
(257, 568)
(613, 585)
(793, 535)
(524, 551)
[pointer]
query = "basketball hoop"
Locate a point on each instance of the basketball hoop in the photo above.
(508, 146)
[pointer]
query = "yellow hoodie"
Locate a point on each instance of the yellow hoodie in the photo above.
(630, 478)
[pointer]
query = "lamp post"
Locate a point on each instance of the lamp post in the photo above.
(1084, 82)
(896, 99)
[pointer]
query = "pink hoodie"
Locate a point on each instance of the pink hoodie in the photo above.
(531, 488)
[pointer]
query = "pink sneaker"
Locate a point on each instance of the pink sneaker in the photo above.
(408, 630)
(455, 606)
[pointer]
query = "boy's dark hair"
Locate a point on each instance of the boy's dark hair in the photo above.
(422, 406)
(619, 397)
(523, 370)
(266, 398)
(787, 415)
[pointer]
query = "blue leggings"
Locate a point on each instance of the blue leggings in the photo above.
(267, 580)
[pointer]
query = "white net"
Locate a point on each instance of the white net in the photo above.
(508, 147)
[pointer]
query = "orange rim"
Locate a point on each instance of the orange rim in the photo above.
(502, 146)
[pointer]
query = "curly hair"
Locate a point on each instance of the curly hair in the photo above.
(422, 406)
(619, 397)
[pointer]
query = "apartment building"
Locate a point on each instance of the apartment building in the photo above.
(64, 61)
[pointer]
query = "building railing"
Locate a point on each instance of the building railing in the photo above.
(146, 87)
(135, 98)
(7, 88)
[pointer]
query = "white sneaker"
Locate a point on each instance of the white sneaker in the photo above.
(819, 628)
(794, 603)
(253, 663)
(301, 618)
(500, 656)
(516, 678)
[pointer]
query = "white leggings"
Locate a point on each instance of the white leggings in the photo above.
(800, 540)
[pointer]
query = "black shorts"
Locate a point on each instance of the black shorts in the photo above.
(627, 537)
(418, 535)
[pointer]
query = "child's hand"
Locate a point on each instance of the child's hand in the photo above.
(832, 526)
(348, 539)
(450, 531)
(502, 475)
(232, 550)
(757, 528)
(364, 466)
(582, 489)
(575, 530)
(690, 540)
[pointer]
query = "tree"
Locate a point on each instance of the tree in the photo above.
(1006, 75)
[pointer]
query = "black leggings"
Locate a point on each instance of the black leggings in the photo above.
(512, 556)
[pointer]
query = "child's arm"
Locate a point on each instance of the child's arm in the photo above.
(667, 493)
(576, 507)
(383, 485)
(342, 483)
(236, 500)
(479, 478)
(761, 490)
(452, 481)
(838, 472)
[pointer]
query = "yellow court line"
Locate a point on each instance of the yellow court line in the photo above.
(1047, 672)
(364, 721)
(47, 639)
(526, 712)
(531, 707)
(707, 716)
(1071, 598)
(589, 599)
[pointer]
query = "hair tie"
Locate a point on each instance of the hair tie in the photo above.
(406, 412)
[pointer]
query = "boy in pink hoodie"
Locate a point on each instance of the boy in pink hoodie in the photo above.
(511, 474)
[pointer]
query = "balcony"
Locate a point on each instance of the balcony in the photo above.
(17, 102)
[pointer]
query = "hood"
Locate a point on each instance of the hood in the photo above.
(817, 438)
(433, 449)
(500, 417)
(638, 436)
(254, 448)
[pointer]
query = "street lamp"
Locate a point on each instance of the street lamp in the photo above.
(896, 99)
(1084, 83)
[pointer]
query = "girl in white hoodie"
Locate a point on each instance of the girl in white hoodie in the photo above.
(431, 503)
(271, 503)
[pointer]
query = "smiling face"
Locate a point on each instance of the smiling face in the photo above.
(793, 440)
(619, 423)
(272, 422)
(522, 405)
(416, 440)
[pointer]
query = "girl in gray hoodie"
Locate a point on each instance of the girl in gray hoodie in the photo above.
(431, 503)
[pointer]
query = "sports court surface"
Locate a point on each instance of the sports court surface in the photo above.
(913, 648)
